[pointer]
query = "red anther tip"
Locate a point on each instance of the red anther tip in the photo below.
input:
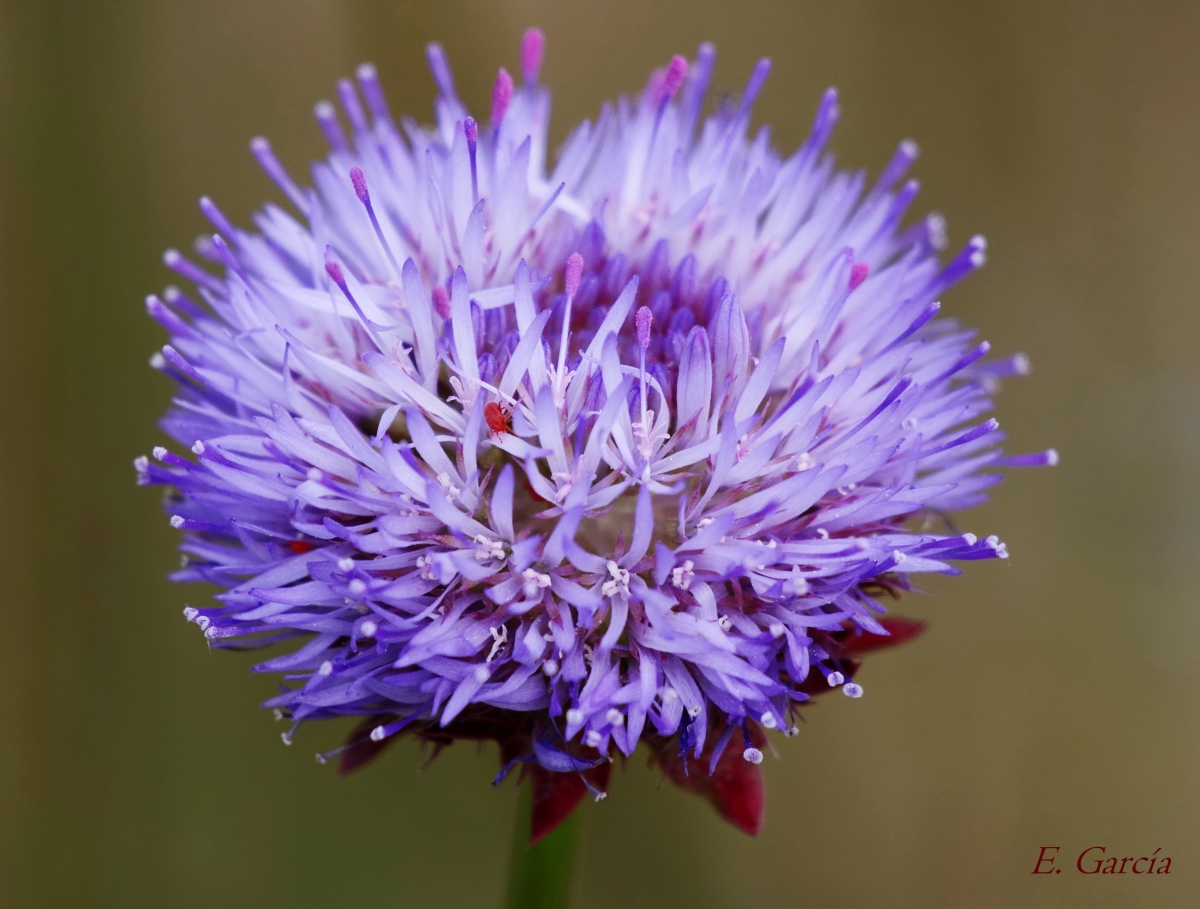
(471, 129)
(533, 44)
(501, 96)
(441, 301)
(335, 272)
(574, 272)
(858, 274)
(359, 179)
(674, 77)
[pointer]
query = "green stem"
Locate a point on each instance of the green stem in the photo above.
(539, 877)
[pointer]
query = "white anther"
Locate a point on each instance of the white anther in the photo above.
(141, 463)
(935, 223)
(489, 549)
(448, 486)
(619, 582)
(378, 734)
(588, 653)
(425, 566)
(834, 679)
(592, 739)
(899, 556)
(777, 630)
(190, 613)
(203, 622)
(909, 423)
(970, 539)
(346, 564)
(753, 755)
(159, 453)
(358, 587)
(278, 714)
(534, 582)
(158, 361)
(615, 717)
(791, 731)
(198, 447)
(482, 674)
(321, 759)
(852, 690)
(768, 720)
(804, 461)
(325, 669)
(682, 576)
(823, 533)
(550, 668)
(499, 635)
(703, 522)
(694, 712)
(1021, 364)
(574, 716)
(669, 695)
(176, 521)
(314, 474)
(286, 737)
(367, 629)
(723, 623)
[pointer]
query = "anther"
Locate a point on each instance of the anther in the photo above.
(367, 629)
(777, 630)
(346, 564)
(643, 320)
(358, 587)
(176, 521)
(858, 274)
(198, 447)
(501, 97)
(673, 79)
(325, 669)
(574, 716)
(314, 474)
(441, 301)
(573, 272)
(550, 668)
(592, 739)
(768, 720)
(159, 452)
(615, 717)
(834, 679)
(753, 755)
(533, 45)
(482, 674)
(852, 690)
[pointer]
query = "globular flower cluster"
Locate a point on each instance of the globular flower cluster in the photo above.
(623, 449)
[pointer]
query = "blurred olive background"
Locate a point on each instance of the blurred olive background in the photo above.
(1053, 700)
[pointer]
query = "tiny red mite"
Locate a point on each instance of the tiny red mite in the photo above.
(498, 419)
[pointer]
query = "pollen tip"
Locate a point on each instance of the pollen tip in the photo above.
(441, 301)
(533, 46)
(574, 273)
(858, 274)
(676, 73)
(1051, 457)
(359, 179)
(471, 130)
(366, 72)
(501, 96)
(335, 273)
(643, 321)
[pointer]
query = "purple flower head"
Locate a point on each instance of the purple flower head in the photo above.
(572, 457)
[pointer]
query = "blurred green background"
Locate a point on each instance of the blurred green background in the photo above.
(1053, 700)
